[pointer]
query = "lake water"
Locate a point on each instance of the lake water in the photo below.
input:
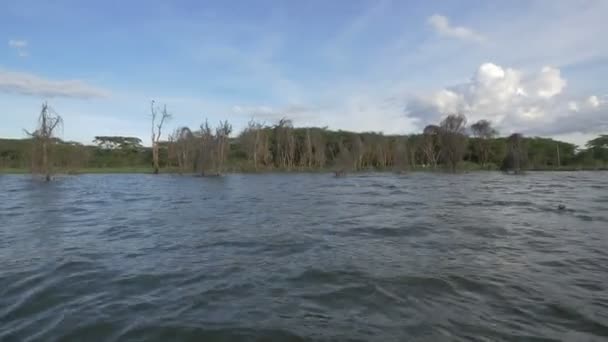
(372, 257)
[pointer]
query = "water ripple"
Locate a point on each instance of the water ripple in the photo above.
(288, 257)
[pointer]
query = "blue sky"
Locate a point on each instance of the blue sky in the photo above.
(394, 66)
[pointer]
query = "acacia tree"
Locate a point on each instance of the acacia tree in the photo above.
(484, 132)
(599, 148)
(430, 145)
(452, 139)
(44, 138)
(156, 132)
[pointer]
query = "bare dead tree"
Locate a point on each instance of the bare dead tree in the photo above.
(356, 152)
(43, 139)
(207, 156)
(430, 145)
(484, 133)
(318, 147)
(181, 148)
(222, 133)
(262, 146)
(453, 140)
(307, 155)
(414, 149)
(285, 143)
(516, 157)
(343, 161)
(383, 152)
(401, 155)
(156, 132)
(249, 140)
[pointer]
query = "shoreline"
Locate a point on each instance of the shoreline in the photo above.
(144, 171)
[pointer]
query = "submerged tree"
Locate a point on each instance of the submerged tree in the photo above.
(516, 157)
(43, 139)
(452, 139)
(156, 133)
(484, 133)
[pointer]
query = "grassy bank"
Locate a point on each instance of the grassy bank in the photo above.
(16, 171)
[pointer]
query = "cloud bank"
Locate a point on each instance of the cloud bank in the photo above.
(29, 84)
(531, 103)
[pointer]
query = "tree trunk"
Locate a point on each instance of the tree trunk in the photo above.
(255, 149)
(45, 160)
(155, 157)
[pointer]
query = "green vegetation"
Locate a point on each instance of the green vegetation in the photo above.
(71, 157)
(283, 147)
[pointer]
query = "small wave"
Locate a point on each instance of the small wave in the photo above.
(193, 333)
(487, 232)
(575, 319)
(342, 296)
(284, 257)
(585, 217)
(44, 296)
(389, 232)
(331, 277)
(423, 285)
(231, 244)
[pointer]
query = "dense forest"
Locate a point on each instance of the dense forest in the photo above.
(449, 145)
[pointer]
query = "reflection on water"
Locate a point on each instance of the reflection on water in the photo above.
(295, 257)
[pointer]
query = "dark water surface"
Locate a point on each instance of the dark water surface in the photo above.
(480, 256)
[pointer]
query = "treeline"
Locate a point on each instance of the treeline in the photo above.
(207, 150)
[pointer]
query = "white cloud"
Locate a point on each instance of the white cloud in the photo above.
(593, 101)
(549, 83)
(29, 84)
(357, 111)
(442, 26)
(529, 103)
(20, 46)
